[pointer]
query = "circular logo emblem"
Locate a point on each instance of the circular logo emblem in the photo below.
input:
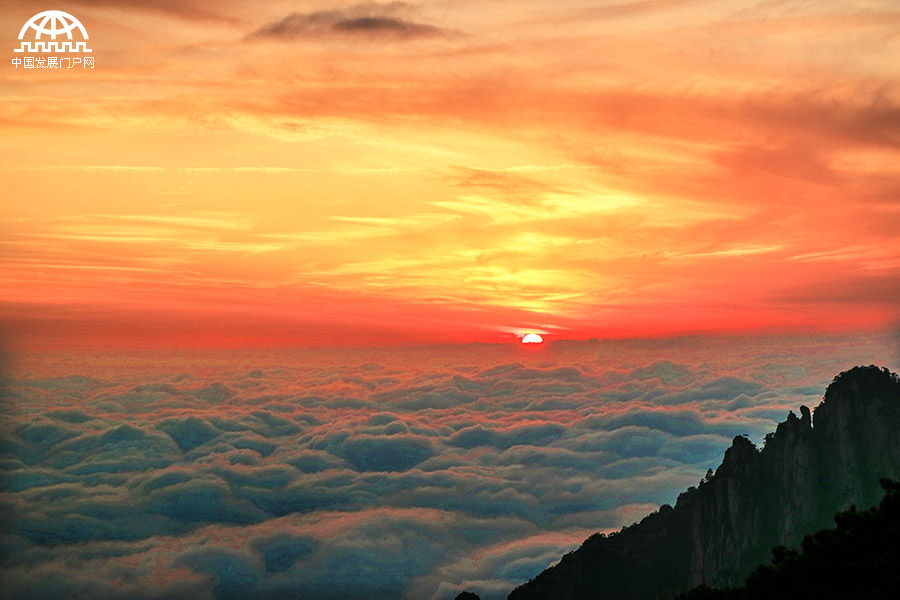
(53, 23)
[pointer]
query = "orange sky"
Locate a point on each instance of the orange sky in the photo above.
(330, 172)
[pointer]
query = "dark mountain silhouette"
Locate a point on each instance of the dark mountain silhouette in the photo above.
(856, 559)
(718, 532)
(467, 596)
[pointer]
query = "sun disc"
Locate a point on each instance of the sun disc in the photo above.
(532, 338)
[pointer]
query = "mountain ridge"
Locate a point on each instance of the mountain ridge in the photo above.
(811, 467)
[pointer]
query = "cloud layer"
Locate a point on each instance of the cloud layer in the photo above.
(377, 475)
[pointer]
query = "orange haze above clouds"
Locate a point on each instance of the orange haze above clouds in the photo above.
(328, 172)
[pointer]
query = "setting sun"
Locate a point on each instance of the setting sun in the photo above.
(532, 338)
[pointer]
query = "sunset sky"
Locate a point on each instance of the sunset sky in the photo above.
(334, 173)
(243, 259)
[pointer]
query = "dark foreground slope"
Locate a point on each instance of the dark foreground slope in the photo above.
(856, 559)
(717, 533)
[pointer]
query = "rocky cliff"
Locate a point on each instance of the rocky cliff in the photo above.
(810, 468)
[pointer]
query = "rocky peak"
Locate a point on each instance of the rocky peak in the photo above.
(858, 429)
(741, 454)
(856, 396)
(862, 384)
(810, 468)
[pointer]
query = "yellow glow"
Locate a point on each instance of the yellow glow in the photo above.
(521, 171)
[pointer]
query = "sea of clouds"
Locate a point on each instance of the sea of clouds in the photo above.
(368, 473)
